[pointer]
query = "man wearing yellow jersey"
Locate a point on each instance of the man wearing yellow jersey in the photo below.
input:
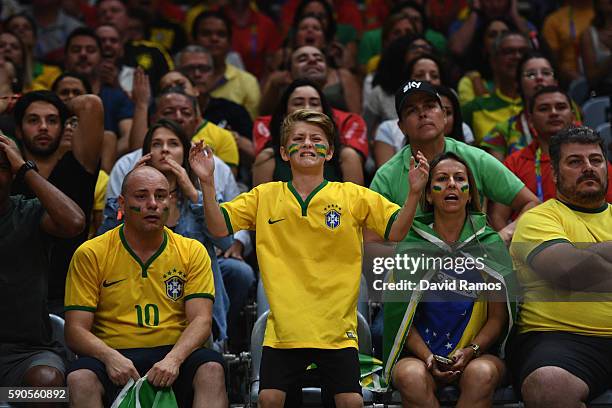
(139, 301)
(309, 247)
(562, 250)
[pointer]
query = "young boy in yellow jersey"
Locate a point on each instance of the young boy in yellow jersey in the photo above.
(309, 247)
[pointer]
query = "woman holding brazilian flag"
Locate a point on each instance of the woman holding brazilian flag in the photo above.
(451, 335)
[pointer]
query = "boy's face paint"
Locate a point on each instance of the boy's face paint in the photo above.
(293, 149)
(321, 150)
(135, 209)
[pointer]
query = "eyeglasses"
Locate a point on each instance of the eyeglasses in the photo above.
(511, 50)
(192, 69)
(417, 46)
(533, 73)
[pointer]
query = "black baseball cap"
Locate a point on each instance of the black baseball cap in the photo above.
(411, 87)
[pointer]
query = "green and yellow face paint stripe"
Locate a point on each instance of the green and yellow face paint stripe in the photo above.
(321, 150)
(465, 188)
(436, 189)
(135, 209)
(293, 149)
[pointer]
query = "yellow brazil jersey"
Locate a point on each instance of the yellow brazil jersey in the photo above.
(136, 303)
(542, 226)
(309, 253)
(221, 141)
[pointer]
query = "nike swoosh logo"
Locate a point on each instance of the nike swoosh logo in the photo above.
(270, 221)
(107, 284)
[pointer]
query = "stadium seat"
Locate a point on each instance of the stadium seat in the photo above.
(605, 131)
(596, 111)
(311, 396)
(579, 90)
(57, 325)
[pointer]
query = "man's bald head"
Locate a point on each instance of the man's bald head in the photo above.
(145, 173)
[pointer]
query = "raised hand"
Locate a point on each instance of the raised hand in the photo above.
(144, 160)
(419, 173)
(12, 152)
(182, 178)
(141, 88)
(442, 376)
(202, 162)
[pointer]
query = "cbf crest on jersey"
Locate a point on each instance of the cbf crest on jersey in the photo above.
(332, 216)
(175, 284)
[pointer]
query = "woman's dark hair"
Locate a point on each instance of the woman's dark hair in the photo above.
(400, 6)
(391, 71)
(281, 112)
(28, 17)
(23, 70)
(74, 75)
(473, 205)
(211, 14)
(438, 61)
(476, 57)
(182, 136)
(528, 56)
(599, 17)
(330, 30)
(457, 130)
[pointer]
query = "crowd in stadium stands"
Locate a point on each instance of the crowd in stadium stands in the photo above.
(164, 163)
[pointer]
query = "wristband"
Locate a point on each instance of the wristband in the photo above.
(25, 167)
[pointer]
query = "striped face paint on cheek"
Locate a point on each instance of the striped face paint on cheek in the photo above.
(293, 149)
(436, 189)
(465, 188)
(321, 150)
(134, 209)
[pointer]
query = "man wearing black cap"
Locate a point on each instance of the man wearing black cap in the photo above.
(422, 120)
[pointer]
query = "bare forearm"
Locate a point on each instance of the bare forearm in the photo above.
(404, 218)
(212, 212)
(64, 212)
(88, 145)
(139, 127)
(494, 326)
(193, 337)
(603, 249)
(575, 269)
(85, 343)
(416, 345)
(462, 38)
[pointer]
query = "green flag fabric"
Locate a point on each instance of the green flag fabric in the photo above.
(477, 241)
(141, 394)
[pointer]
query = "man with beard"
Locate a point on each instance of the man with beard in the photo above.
(28, 354)
(84, 56)
(148, 55)
(39, 119)
(549, 113)
(562, 251)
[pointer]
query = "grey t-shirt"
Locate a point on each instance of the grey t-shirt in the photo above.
(24, 250)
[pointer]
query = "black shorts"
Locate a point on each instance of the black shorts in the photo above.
(337, 369)
(144, 359)
(587, 357)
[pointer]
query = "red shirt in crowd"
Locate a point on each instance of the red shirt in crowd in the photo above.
(346, 12)
(255, 40)
(522, 163)
(352, 129)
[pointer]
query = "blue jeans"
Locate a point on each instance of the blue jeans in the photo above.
(238, 278)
